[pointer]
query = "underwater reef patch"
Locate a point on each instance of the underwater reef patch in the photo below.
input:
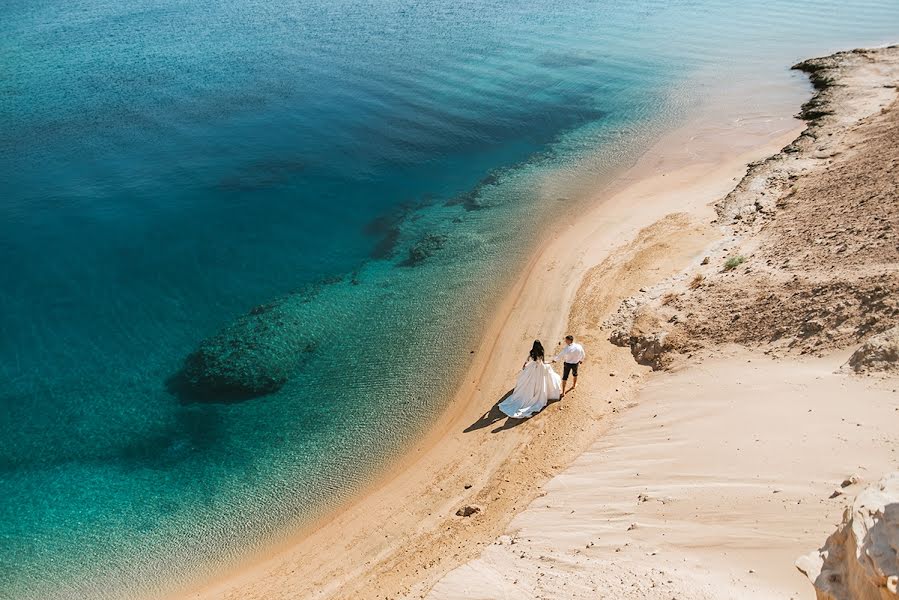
(424, 248)
(253, 356)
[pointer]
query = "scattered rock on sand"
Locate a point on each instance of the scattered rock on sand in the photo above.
(851, 480)
(859, 560)
(468, 510)
(880, 353)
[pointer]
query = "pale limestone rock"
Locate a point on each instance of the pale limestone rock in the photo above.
(859, 561)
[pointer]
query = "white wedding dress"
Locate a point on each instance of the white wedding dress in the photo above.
(537, 384)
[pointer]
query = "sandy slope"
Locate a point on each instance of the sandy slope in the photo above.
(710, 486)
(403, 535)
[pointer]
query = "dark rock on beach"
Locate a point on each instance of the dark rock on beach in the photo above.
(468, 510)
(253, 356)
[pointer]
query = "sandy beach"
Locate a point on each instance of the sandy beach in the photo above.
(700, 482)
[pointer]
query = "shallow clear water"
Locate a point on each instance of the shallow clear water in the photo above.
(167, 165)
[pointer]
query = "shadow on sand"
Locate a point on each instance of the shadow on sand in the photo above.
(495, 415)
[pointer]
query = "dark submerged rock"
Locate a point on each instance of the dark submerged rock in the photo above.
(387, 229)
(424, 248)
(471, 200)
(253, 356)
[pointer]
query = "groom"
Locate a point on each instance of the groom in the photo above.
(571, 355)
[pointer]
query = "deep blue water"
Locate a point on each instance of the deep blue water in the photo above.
(167, 165)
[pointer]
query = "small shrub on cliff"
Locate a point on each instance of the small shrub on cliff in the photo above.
(733, 262)
(697, 281)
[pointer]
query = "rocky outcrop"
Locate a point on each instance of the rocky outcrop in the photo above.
(653, 342)
(878, 354)
(647, 348)
(859, 561)
(252, 357)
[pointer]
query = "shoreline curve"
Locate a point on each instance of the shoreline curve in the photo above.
(401, 534)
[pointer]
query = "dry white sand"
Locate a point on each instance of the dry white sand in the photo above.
(710, 486)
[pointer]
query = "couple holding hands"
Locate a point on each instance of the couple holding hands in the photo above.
(538, 382)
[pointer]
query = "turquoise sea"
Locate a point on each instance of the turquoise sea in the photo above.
(373, 168)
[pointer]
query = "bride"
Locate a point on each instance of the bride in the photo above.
(536, 384)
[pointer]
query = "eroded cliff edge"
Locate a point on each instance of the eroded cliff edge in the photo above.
(809, 259)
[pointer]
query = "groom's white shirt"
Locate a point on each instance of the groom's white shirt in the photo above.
(572, 353)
